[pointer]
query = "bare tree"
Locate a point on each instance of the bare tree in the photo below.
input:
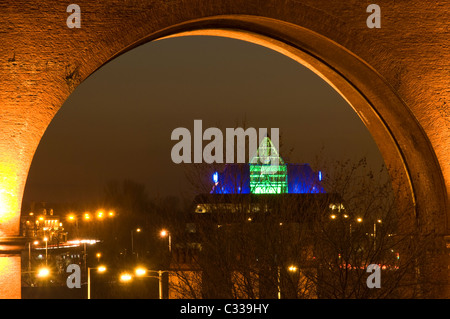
(301, 245)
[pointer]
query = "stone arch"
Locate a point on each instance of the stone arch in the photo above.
(41, 73)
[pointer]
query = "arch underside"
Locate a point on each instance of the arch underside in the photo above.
(42, 64)
(410, 159)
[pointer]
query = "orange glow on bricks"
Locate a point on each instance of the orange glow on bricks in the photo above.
(9, 201)
(10, 287)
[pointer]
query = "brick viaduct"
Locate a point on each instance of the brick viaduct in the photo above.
(395, 77)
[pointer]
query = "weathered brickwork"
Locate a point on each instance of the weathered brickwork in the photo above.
(42, 61)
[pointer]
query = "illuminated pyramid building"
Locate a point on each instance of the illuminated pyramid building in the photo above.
(267, 173)
(264, 195)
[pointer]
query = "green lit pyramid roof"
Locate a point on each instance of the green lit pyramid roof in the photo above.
(266, 154)
(268, 172)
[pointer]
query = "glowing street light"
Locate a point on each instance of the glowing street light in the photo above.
(140, 271)
(101, 269)
(359, 220)
(43, 272)
(292, 268)
(111, 213)
(100, 214)
(125, 277)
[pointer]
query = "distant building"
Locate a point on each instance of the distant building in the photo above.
(289, 195)
(40, 223)
(256, 177)
(48, 244)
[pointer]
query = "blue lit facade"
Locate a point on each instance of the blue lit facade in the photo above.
(235, 179)
(267, 173)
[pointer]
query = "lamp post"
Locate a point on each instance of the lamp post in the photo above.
(72, 218)
(137, 230)
(375, 232)
(46, 250)
(100, 269)
(29, 257)
(292, 269)
(160, 284)
(278, 282)
(84, 256)
(165, 233)
(141, 272)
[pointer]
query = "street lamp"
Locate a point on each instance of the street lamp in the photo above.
(292, 268)
(165, 233)
(279, 282)
(46, 249)
(141, 272)
(137, 230)
(100, 214)
(29, 254)
(375, 231)
(43, 272)
(125, 277)
(72, 218)
(100, 269)
(375, 227)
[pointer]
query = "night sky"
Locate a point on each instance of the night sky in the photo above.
(117, 124)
